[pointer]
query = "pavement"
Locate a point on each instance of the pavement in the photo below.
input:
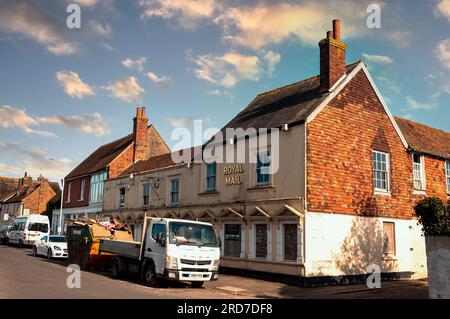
(25, 276)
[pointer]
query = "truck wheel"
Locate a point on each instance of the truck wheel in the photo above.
(197, 284)
(116, 272)
(20, 243)
(150, 276)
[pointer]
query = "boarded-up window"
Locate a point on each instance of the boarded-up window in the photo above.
(232, 240)
(261, 240)
(389, 238)
(290, 241)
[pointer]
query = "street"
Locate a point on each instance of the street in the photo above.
(24, 276)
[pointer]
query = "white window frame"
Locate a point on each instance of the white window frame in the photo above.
(421, 172)
(447, 175)
(252, 241)
(267, 152)
(388, 173)
(82, 187)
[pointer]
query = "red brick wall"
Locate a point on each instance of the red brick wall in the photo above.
(340, 141)
(37, 201)
(75, 190)
(121, 162)
(435, 177)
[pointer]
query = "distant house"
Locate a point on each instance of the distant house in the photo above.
(83, 186)
(28, 197)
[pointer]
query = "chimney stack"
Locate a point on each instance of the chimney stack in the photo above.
(140, 125)
(332, 57)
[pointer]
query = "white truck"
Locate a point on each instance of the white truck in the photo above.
(27, 229)
(170, 249)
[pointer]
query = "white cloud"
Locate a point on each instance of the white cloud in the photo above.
(37, 161)
(380, 59)
(443, 52)
(108, 47)
(218, 92)
(414, 105)
(389, 84)
(8, 169)
(258, 25)
(188, 13)
(443, 8)
(137, 64)
(181, 121)
(104, 30)
(400, 39)
(93, 124)
(11, 117)
(28, 19)
(85, 3)
(162, 81)
(127, 89)
(272, 59)
(73, 85)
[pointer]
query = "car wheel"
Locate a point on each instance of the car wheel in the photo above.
(34, 251)
(197, 284)
(49, 253)
(150, 276)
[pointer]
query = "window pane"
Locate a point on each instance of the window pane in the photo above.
(232, 240)
(290, 241)
(261, 241)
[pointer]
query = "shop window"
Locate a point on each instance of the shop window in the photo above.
(232, 240)
(290, 241)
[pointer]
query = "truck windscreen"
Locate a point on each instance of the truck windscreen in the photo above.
(192, 234)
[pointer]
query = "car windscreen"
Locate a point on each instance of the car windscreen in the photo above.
(181, 233)
(57, 239)
(38, 227)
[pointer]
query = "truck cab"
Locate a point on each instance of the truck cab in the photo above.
(182, 250)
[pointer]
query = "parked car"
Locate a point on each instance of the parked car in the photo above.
(26, 229)
(4, 234)
(50, 246)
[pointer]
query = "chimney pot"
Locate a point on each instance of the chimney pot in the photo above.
(337, 29)
(329, 35)
(138, 111)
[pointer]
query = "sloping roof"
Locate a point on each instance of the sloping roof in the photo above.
(289, 104)
(158, 162)
(7, 186)
(55, 187)
(425, 139)
(101, 157)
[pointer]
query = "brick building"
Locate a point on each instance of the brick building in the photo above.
(83, 186)
(29, 197)
(332, 195)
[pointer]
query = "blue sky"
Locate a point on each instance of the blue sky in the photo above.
(66, 91)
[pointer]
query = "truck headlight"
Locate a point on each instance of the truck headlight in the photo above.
(57, 248)
(216, 264)
(171, 262)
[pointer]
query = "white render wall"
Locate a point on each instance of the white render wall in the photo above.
(337, 244)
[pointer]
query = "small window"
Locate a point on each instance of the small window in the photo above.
(82, 186)
(211, 177)
(389, 238)
(146, 194)
(69, 190)
(158, 228)
(447, 173)
(380, 168)
(122, 197)
(174, 191)
(418, 171)
(263, 169)
(261, 241)
(290, 242)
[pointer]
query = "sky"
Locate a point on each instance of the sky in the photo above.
(66, 91)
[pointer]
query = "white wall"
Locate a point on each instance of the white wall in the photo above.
(337, 244)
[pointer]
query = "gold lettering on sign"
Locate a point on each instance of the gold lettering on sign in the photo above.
(232, 170)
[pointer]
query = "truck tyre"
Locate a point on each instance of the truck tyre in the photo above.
(150, 276)
(197, 284)
(20, 243)
(116, 268)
